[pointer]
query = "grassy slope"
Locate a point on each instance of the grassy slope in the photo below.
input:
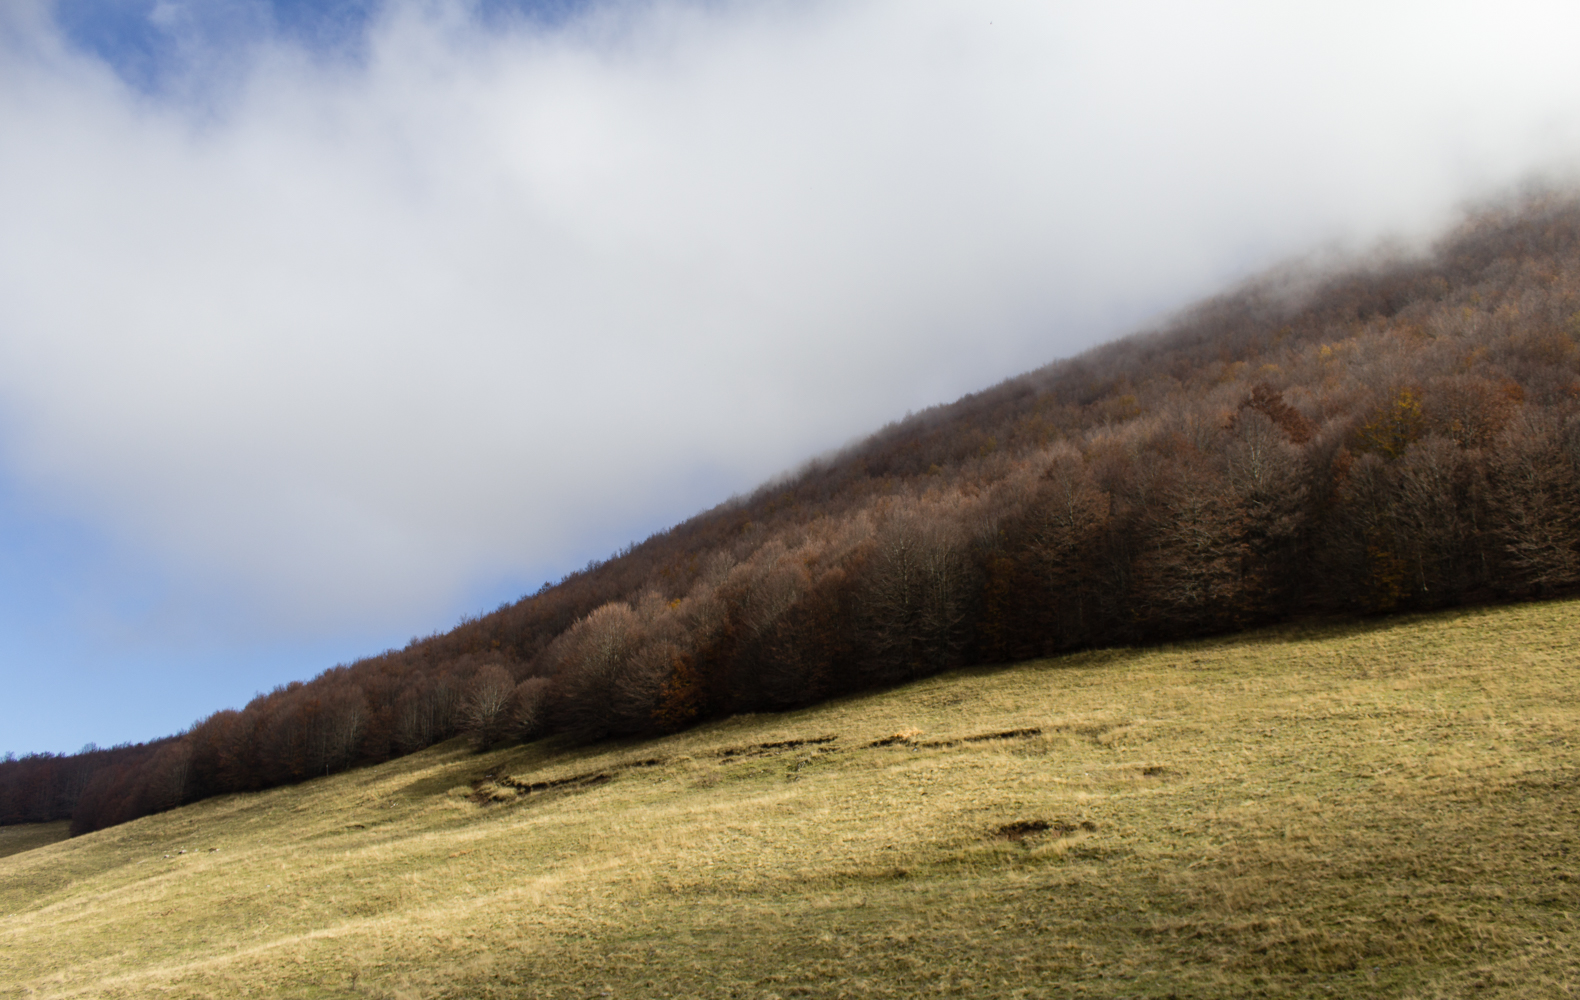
(16, 839)
(1383, 809)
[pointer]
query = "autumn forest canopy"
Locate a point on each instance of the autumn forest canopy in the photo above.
(1401, 435)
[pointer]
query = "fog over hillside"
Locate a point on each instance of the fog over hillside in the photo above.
(1400, 436)
(315, 338)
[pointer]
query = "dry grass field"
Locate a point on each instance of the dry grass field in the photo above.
(1388, 808)
(16, 839)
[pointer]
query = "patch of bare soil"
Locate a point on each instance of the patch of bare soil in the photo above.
(1021, 829)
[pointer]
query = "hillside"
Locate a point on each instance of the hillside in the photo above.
(1398, 436)
(1374, 809)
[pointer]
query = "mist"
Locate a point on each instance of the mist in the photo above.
(304, 346)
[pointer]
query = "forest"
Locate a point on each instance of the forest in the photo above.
(1400, 435)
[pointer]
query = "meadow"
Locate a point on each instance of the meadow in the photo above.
(1388, 807)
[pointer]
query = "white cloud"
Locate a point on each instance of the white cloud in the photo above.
(348, 336)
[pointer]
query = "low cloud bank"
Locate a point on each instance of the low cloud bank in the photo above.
(340, 338)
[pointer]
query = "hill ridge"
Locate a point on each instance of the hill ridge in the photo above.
(1398, 437)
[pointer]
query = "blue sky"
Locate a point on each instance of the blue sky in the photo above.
(322, 325)
(149, 41)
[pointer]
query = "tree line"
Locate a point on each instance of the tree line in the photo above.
(1403, 436)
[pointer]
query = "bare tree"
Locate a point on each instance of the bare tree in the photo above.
(1433, 517)
(1065, 527)
(1190, 569)
(486, 711)
(1536, 497)
(918, 587)
(529, 715)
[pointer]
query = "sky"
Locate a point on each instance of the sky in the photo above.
(323, 324)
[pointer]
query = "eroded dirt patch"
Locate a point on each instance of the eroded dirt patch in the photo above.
(908, 738)
(1021, 829)
(482, 787)
(768, 749)
(528, 787)
(591, 778)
